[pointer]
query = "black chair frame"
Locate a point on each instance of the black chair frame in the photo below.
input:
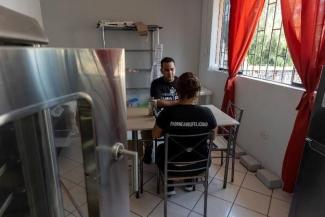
(229, 133)
(200, 178)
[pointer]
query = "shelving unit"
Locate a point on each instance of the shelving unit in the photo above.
(104, 25)
(138, 80)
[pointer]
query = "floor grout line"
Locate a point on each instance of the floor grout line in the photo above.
(211, 178)
(268, 211)
(240, 186)
(283, 200)
(202, 195)
(192, 210)
(251, 210)
(256, 191)
(162, 200)
(135, 213)
(155, 207)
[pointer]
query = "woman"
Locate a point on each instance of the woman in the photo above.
(185, 118)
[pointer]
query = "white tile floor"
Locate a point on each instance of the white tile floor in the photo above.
(246, 197)
(72, 175)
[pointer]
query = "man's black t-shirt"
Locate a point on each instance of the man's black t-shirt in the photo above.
(185, 120)
(162, 89)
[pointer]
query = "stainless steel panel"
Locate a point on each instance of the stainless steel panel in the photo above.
(33, 79)
(17, 28)
(22, 183)
(50, 164)
(12, 183)
(29, 141)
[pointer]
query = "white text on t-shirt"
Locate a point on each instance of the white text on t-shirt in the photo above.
(188, 124)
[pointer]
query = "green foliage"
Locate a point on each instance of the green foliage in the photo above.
(269, 51)
(269, 47)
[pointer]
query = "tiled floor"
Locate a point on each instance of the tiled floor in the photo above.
(72, 176)
(246, 197)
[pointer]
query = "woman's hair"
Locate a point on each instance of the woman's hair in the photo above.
(187, 86)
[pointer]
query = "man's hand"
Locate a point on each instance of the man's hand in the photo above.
(156, 132)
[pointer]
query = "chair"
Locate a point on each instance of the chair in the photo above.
(134, 146)
(189, 159)
(139, 145)
(225, 140)
(146, 137)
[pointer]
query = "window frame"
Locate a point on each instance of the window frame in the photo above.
(215, 51)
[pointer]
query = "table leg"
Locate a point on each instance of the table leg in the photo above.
(233, 155)
(135, 138)
(225, 179)
(141, 176)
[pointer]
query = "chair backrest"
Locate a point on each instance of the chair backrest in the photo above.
(187, 155)
(237, 114)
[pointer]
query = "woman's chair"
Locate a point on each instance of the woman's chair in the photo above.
(225, 140)
(186, 163)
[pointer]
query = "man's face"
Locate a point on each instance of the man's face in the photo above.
(168, 70)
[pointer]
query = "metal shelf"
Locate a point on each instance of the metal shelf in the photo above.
(135, 70)
(139, 50)
(5, 202)
(151, 28)
(138, 88)
(137, 79)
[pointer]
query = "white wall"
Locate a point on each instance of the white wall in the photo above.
(30, 8)
(269, 115)
(269, 108)
(73, 24)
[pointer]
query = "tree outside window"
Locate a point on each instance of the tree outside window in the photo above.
(268, 57)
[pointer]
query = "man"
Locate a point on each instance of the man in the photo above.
(162, 89)
(186, 118)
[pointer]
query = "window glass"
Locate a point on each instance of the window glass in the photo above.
(268, 57)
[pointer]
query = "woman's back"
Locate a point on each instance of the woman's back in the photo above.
(186, 120)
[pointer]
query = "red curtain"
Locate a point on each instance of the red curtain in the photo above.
(244, 16)
(303, 23)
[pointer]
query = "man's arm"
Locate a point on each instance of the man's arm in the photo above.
(155, 92)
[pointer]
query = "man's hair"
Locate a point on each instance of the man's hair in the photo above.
(188, 85)
(166, 60)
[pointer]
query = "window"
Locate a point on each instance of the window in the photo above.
(268, 57)
(223, 54)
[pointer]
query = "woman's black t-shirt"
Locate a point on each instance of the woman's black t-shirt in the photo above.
(186, 120)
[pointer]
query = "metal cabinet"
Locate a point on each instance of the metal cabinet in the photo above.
(32, 170)
(59, 108)
(18, 187)
(309, 192)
